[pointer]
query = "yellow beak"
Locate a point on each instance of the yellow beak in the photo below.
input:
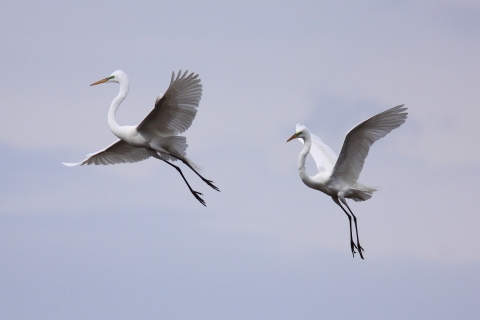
(292, 137)
(98, 82)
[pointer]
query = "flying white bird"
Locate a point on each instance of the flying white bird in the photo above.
(337, 177)
(158, 134)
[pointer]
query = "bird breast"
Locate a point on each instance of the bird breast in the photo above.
(131, 136)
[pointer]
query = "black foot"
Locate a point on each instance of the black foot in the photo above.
(360, 249)
(210, 183)
(197, 195)
(353, 246)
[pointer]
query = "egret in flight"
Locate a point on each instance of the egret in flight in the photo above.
(158, 134)
(338, 176)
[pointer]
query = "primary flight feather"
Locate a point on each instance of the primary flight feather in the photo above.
(338, 177)
(158, 134)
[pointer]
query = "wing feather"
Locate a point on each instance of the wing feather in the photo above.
(175, 110)
(322, 154)
(359, 140)
(118, 152)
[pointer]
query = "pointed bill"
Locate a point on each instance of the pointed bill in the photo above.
(100, 81)
(292, 137)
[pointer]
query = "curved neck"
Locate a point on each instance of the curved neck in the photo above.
(307, 144)
(112, 123)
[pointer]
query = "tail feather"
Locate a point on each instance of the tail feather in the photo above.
(361, 192)
(176, 146)
(193, 164)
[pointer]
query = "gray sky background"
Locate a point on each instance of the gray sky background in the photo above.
(130, 242)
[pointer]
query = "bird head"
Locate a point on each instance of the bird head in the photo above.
(300, 132)
(116, 76)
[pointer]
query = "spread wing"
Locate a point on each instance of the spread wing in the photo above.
(118, 152)
(359, 140)
(322, 154)
(175, 110)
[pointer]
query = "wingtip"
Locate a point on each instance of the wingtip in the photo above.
(70, 164)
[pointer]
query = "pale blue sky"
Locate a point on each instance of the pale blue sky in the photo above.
(130, 242)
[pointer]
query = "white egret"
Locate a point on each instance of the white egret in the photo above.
(337, 177)
(158, 134)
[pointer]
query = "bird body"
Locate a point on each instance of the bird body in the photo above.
(325, 181)
(158, 134)
(338, 176)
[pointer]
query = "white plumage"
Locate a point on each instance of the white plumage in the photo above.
(338, 177)
(323, 155)
(117, 152)
(157, 135)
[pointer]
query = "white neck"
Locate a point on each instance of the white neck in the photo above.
(307, 144)
(112, 123)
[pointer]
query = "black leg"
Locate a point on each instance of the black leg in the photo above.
(352, 244)
(195, 193)
(209, 182)
(360, 249)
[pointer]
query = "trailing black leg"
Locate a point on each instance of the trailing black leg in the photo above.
(196, 194)
(209, 182)
(352, 244)
(360, 249)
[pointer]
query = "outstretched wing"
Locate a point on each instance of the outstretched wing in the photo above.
(175, 110)
(118, 152)
(322, 154)
(359, 140)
